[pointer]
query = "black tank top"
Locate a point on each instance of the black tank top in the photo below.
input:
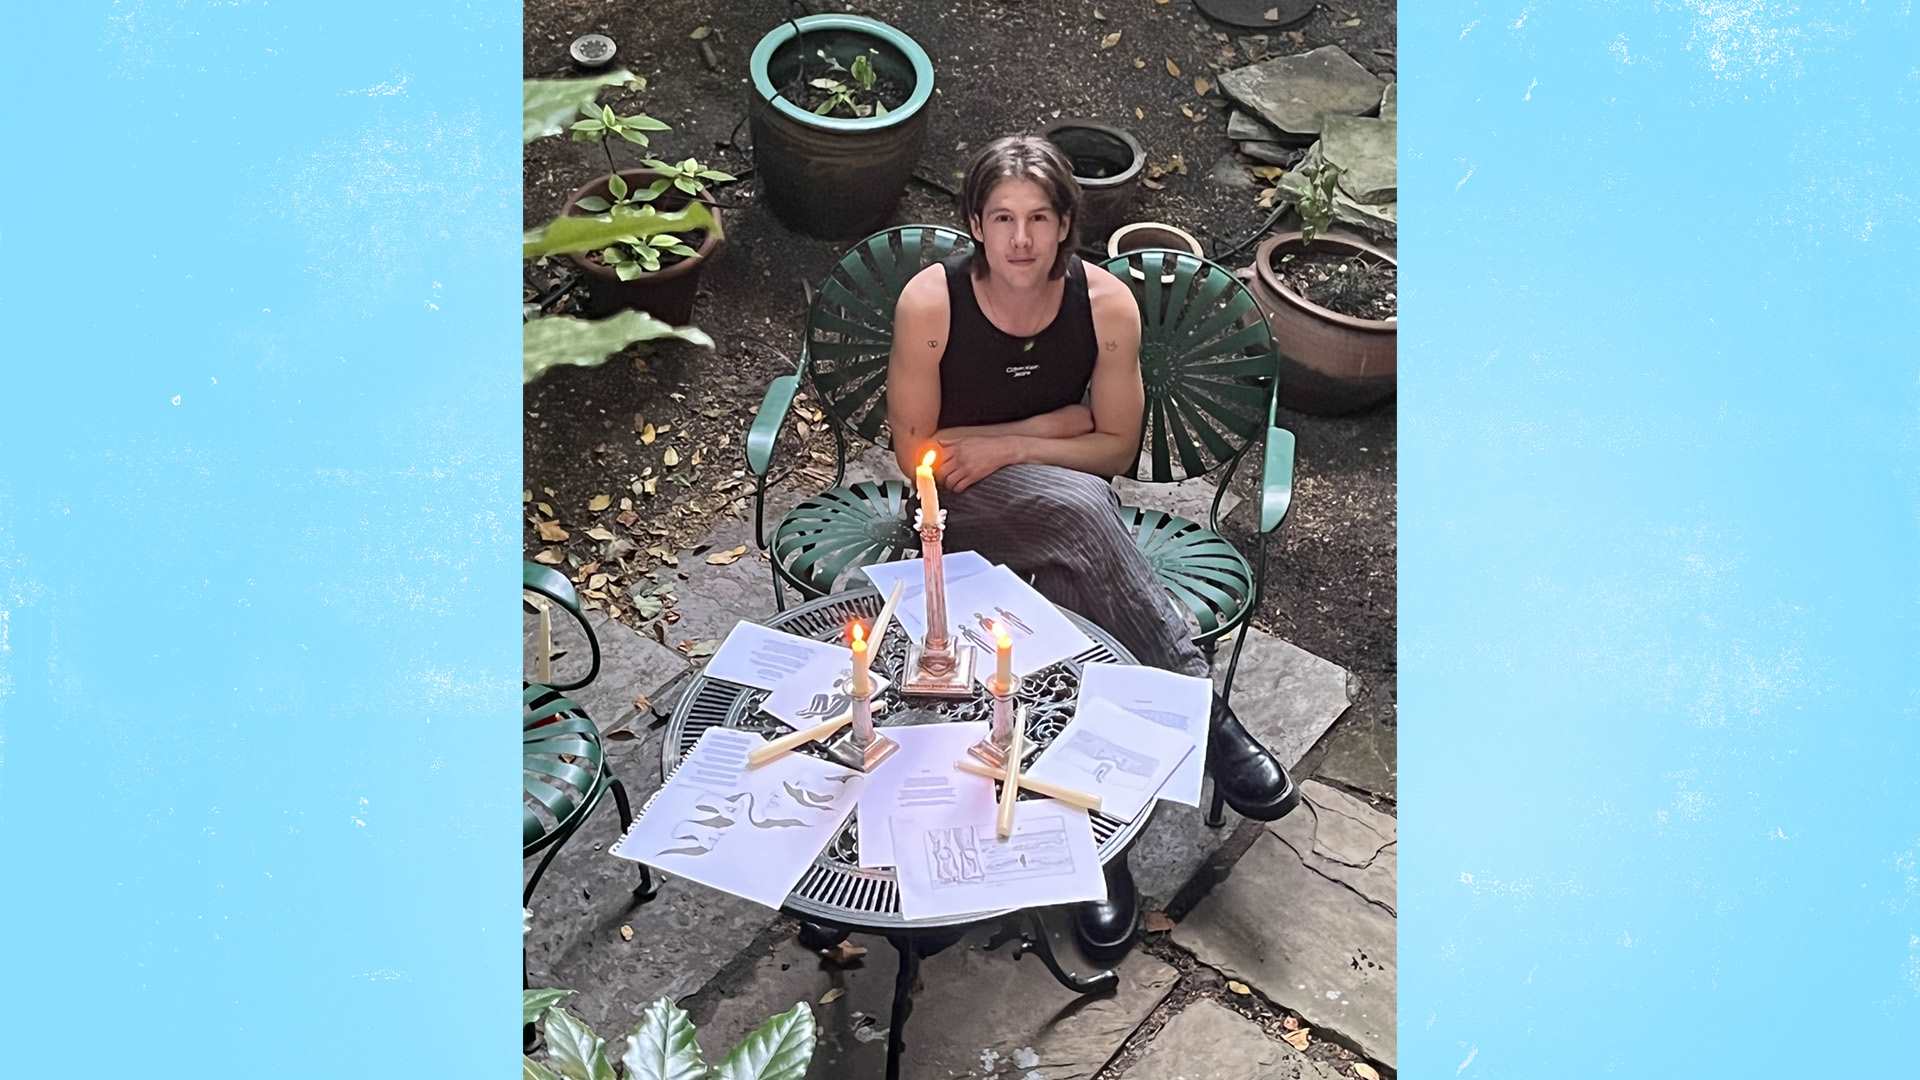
(988, 376)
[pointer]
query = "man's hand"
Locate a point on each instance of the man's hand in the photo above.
(965, 460)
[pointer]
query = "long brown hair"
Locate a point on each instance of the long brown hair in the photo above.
(1023, 157)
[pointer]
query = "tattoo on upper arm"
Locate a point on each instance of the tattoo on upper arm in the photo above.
(933, 343)
(1112, 345)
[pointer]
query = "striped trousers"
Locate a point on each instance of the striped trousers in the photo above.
(1062, 530)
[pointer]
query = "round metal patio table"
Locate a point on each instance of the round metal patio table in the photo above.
(836, 890)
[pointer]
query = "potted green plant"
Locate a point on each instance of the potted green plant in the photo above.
(660, 273)
(838, 112)
(562, 340)
(1331, 301)
(663, 1046)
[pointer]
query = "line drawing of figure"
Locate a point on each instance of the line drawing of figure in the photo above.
(940, 848)
(827, 705)
(716, 815)
(1015, 620)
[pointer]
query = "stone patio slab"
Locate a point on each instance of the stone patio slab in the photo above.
(632, 665)
(1208, 1041)
(1362, 754)
(1310, 933)
(1292, 93)
(979, 1012)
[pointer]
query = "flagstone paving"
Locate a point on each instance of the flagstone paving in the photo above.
(1307, 918)
(1206, 1041)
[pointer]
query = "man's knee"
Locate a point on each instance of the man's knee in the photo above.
(1067, 498)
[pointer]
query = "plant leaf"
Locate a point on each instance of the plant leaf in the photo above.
(564, 340)
(535, 1002)
(716, 174)
(776, 1050)
(550, 103)
(686, 185)
(573, 1050)
(533, 1070)
(663, 1047)
(565, 235)
(632, 136)
(594, 203)
(617, 185)
(643, 122)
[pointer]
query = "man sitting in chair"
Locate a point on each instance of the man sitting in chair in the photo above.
(1020, 364)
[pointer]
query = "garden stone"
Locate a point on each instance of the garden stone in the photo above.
(1363, 149)
(978, 1012)
(1208, 1041)
(1241, 125)
(1272, 153)
(1331, 957)
(1292, 93)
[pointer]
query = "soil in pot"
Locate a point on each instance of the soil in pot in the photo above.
(1357, 285)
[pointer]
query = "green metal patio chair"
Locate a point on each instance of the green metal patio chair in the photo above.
(1209, 367)
(564, 768)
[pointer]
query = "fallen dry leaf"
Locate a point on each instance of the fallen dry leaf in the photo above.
(599, 503)
(526, 495)
(832, 995)
(548, 557)
(650, 484)
(1237, 986)
(599, 533)
(670, 458)
(1110, 40)
(1097, 16)
(1173, 69)
(551, 532)
(657, 552)
(1187, 111)
(1289, 1022)
(1157, 922)
(1152, 185)
(1297, 1039)
(1201, 86)
(545, 508)
(647, 435)
(728, 557)
(1139, 113)
(626, 933)
(1365, 1071)
(700, 33)
(1272, 14)
(1351, 22)
(1139, 63)
(597, 581)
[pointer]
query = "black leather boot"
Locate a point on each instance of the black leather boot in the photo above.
(1245, 773)
(1105, 929)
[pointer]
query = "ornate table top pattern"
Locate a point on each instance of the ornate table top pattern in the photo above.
(835, 888)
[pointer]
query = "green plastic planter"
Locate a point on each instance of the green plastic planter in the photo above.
(836, 177)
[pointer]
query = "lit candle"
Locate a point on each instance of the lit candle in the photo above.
(862, 685)
(1003, 659)
(929, 498)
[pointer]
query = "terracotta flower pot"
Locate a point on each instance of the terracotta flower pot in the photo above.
(835, 177)
(1330, 363)
(666, 294)
(1147, 235)
(1107, 164)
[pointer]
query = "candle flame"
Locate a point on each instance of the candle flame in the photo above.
(859, 634)
(999, 635)
(927, 461)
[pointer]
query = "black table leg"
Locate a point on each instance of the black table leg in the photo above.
(1106, 982)
(902, 1002)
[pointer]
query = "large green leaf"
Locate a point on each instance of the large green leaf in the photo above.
(551, 103)
(533, 1070)
(662, 1046)
(535, 1002)
(562, 339)
(573, 1050)
(568, 235)
(777, 1050)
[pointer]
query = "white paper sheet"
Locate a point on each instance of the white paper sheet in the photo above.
(818, 692)
(1041, 635)
(1107, 751)
(755, 656)
(920, 780)
(949, 868)
(751, 833)
(1179, 702)
(911, 575)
